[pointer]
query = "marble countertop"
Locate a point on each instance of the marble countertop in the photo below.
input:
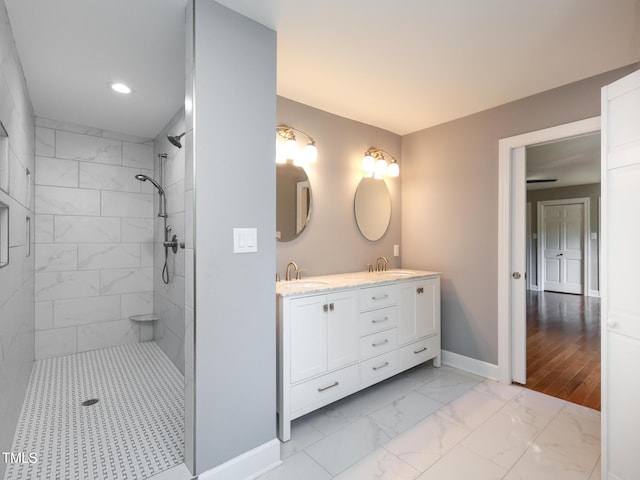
(324, 283)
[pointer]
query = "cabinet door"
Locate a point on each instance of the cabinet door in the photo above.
(342, 329)
(407, 328)
(418, 310)
(308, 330)
(427, 307)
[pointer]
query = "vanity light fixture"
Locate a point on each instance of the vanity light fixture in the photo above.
(374, 163)
(291, 151)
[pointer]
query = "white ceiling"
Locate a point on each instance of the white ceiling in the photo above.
(402, 66)
(573, 161)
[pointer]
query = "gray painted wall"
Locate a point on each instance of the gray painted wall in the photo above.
(450, 200)
(331, 242)
(234, 119)
(575, 191)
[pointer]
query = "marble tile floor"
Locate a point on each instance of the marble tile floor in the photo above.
(443, 424)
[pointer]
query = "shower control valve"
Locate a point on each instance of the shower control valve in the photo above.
(172, 244)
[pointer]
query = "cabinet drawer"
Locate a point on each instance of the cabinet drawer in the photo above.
(376, 297)
(418, 352)
(378, 343)
(378, 320)
(377, 367)
(324, 389)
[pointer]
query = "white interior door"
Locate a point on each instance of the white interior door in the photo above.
(518, 266)
(620, 288)
(564, 248)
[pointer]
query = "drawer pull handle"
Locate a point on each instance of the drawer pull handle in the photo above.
(381, 320)
(382, 297)
(420, 351)
(334, 384)
(386, 340)
(385, 364)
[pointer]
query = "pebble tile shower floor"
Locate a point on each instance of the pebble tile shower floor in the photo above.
(135, 430)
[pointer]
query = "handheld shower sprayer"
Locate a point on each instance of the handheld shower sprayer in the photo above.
(162, 203)
(144, 178)
(162, 212)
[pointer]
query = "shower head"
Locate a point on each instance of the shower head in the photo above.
(175, 139)
(144, 178)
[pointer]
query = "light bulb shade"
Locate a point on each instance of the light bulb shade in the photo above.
(280, 156)
(368, 163)
(310, 153)
(380, 168)
(393, 170)
(291, 150)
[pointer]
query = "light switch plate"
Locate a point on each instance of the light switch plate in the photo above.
(245, 240)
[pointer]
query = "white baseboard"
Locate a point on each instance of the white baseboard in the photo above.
(248, 465)
(593, 293)
(471, 365)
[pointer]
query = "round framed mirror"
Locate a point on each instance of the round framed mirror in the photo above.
(293, 201)
(372, 207)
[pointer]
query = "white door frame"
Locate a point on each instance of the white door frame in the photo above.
(586, 249)
(506, 188)
(530, 250)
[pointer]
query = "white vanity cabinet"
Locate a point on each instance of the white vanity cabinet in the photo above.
(358, 330)
(419, 321)
(323, 333)
(378, 313)
(317, 352)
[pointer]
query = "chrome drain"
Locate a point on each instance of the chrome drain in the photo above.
(88, 403)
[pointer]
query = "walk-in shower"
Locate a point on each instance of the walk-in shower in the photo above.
(162, 212)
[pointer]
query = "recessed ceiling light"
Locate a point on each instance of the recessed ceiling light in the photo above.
(120, 87)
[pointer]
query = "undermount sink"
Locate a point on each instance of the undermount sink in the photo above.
(397, 273)
(308, 283)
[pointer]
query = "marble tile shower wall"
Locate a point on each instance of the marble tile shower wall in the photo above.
(168, 300)
(17, 277)
(94, 238)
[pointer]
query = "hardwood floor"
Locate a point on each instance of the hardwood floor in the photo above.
(563, 346)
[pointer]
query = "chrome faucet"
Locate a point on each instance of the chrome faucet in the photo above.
(381, 264)
(287, 275)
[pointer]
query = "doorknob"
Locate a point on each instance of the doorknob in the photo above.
(559, 255)
(516, 275)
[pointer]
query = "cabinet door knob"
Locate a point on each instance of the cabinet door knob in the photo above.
(331, 307)
(325, 307)
(420, 290)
